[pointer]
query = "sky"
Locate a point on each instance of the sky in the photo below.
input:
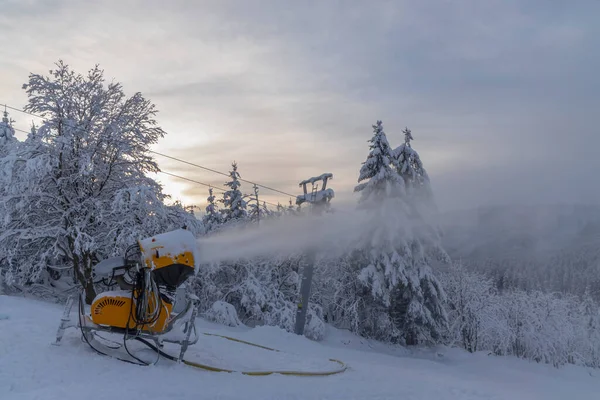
(501, 96)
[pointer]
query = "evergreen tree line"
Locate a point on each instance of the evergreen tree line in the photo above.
(76, 191)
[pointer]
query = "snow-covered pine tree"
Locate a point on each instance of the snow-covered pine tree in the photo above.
(212, 218)
(290, 208)
(382, 181)
(280, 209)
(89, 159)
(255, 213)
(409, 164)
(409, 300)
(266, 213)
(258, 211)
(7, 146)
(32, 132)
(233, 200)
(7, 133)
(293, 210)
(416, 180)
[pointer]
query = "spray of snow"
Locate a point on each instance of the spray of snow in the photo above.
(281, 236)
(330, 234)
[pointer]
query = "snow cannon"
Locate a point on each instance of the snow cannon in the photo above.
(160, 264)
(147, 278)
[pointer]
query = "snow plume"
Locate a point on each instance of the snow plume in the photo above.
(283, 236)
(329, 234)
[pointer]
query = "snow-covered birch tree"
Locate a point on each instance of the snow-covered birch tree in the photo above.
(72, 180)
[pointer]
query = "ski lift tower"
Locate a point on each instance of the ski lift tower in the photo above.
(319, 199)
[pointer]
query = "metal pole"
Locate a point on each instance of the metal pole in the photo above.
(305, 292)
(307, 274)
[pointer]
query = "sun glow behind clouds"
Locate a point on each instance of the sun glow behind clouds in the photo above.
(175, 188)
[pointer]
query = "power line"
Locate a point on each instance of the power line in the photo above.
(175, 158)
(22, 111)
(221, 173)
(206, 184)
(184, 178)
(192, 180)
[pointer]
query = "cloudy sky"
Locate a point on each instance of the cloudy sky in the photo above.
(501, 96)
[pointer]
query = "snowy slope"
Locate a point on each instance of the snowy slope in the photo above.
(31, 368)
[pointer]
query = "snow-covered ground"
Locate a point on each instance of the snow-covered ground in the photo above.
(31, 368)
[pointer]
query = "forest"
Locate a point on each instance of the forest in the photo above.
(76, 190)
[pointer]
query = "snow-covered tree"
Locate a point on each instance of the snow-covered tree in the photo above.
(180, 216)
(293, 210)
(233, 199)
(32, 132)
(262, 290)
(340, 294)
(258, 211)
(212, 218)
(590, 330)
(544, 327)
(7, 133)
(398, 252)
(139, 212)
(255, 212)
(409, 164)
(381, 179)
(266, 213)
(89, 158)
(280, 209)
(472, 312)
(8, 146)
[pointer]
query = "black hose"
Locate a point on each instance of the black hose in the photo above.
(159, 351)
(81, 312)
(139, 312)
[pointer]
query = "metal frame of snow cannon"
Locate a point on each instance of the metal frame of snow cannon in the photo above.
(84, 323)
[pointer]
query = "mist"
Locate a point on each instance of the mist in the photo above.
(284, 236)
(331, 234)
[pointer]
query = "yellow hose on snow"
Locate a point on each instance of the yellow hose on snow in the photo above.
(343, 366)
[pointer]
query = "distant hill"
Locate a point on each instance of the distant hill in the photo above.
(553, 248)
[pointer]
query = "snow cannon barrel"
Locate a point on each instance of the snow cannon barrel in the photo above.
(170, 256)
